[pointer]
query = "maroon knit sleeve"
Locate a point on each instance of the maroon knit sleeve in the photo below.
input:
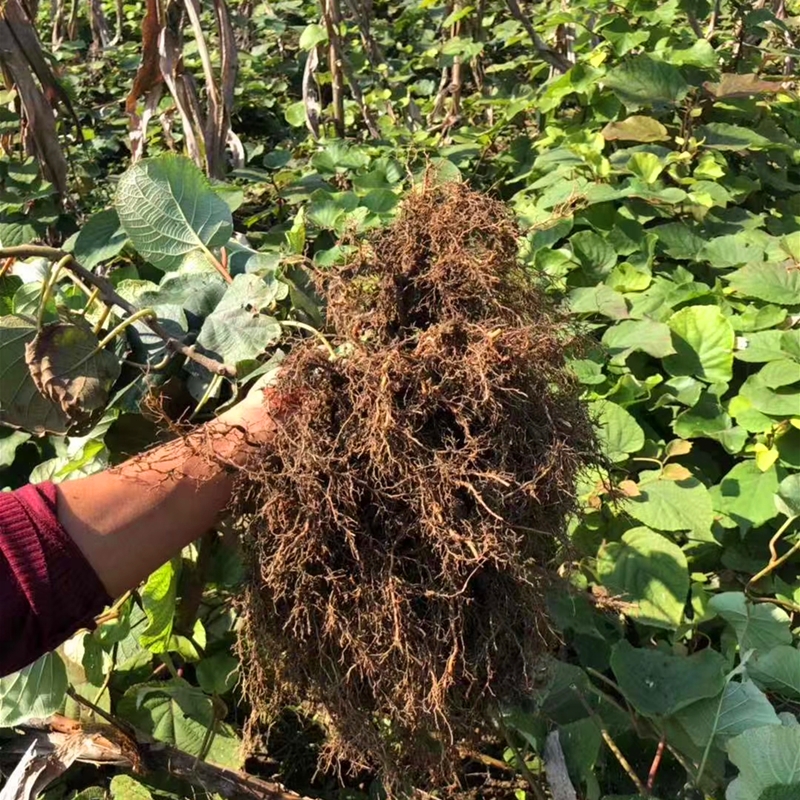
(47, 587)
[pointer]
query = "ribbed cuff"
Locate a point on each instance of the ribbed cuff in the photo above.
(55, 584)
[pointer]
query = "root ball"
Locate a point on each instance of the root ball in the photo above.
(402, 526)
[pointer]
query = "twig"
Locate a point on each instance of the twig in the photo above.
(612, 746)
(775, 561)
(142, 752)
(651, 776)
(555, 60)
(110, 297)
(537, 790)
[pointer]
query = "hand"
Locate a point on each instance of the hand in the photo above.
(259, 414)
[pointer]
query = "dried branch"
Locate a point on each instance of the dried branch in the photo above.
(555, 767)
(64, 742)
(555, 60)
(342, 67)
(109, 296)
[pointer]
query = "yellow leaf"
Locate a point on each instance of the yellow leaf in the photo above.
(765, 456)
(675, 472)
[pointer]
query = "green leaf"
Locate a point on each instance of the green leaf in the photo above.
(780, 373)
(618, 431)
(124, 787)
(21, 403)
(100, 239)
(9, 445)
(768, 763)
(658, 683)
(741, 706)
(679, 240)
(236, 330)
(723, 136)
(641, 81)
(218, 673)
(770, 281)
(312, 35)
(705, 418)
(666, 505)
(787, 499)
(758, 626)
(69, 369)
(295, 114)
(158, 599)
(703, 339)
(778, 670)
(34, 692)
(746, 493)
(649, 571)
(169, 211)
(635, 129)
(646, 166)
(595, 254)
(599, 299)
(380, 201)
(627, 336)
(296, 236)
(730, 251)
(179, 714)
(778, 402)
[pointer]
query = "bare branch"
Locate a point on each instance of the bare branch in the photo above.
(556, 60)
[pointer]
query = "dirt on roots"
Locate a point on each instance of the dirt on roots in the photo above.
(401, 528)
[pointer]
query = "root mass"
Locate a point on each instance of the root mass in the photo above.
(402, 527)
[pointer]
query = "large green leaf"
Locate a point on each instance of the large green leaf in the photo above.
(703, 339)
(178, 713)
(773, 282)
(641, 81)
(648, 571)
(619, 433)
(741, 706)
(668, 505)
(787, 499)
(658, 683)
(169, 211)
(100, 239)
(723, 136)
(778, 670)
(34, 692)
(746, 494)
(768, 760)
(630, 335)
(21, 403)
(758, 626)
(237, 330)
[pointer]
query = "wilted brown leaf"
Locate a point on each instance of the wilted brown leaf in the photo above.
(69, 370)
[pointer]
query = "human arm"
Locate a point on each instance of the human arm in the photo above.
(129, 520)
(67, 550)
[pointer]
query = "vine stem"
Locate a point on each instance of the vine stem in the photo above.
(110, 297)
(651, 777)
(293, 323)
(775, 561)
(612, 746)
(47, 290)
(523, 767)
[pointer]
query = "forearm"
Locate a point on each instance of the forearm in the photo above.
(129, 520)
